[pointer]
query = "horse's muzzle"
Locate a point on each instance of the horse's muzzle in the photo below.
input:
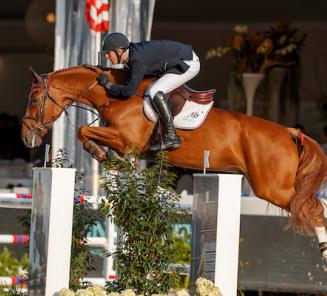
(30, 139)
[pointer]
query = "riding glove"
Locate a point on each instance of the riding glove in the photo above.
(103, 80)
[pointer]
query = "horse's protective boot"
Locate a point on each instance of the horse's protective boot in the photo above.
(170, 140)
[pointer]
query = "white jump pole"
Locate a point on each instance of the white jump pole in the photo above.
(228, 233)
(51, 230)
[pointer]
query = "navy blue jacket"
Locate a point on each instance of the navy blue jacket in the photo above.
(152, 58)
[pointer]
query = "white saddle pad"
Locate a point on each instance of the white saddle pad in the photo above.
(191, 116)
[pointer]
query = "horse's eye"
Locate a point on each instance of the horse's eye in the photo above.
(34, 101)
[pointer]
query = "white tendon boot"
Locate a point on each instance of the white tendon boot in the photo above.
(322, 238)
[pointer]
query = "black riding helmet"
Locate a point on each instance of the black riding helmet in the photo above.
(114, 41)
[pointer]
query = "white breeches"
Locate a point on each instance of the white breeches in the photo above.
(170, 81)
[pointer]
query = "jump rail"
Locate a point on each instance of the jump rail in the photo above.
(12, 281)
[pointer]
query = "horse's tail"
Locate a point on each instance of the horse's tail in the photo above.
(305, 207)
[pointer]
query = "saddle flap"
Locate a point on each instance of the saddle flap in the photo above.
(191, 116)
(175, 101)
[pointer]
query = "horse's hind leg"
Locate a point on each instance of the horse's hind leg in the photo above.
(282, 199)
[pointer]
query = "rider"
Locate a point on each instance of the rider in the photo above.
(173, 63)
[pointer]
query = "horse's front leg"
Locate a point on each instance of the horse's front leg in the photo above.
(94, 137)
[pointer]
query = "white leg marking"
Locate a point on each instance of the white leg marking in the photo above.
(321, 234)
(322, 238)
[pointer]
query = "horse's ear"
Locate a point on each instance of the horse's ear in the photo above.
(36, 76)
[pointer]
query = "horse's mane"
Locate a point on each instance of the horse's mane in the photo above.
(116, 75)
(97, 69)
(72, 68)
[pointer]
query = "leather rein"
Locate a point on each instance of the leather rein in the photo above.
(39, 125)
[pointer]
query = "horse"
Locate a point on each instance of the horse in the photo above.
(283, 166)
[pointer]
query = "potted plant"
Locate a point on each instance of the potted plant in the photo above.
(251, 53)
(248, 51)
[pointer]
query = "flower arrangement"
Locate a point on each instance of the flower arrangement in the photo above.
(247, 49)
(254, 52)
(286, 42)
(204, 287)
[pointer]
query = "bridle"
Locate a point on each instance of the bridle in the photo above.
(39, 125)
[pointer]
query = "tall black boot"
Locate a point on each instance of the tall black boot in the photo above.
(169, 140)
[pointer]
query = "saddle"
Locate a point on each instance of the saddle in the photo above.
(188, 107)
(178, 97)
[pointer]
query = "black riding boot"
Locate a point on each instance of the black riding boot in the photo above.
(169, 140)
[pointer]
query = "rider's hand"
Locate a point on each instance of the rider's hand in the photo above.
(103, 80)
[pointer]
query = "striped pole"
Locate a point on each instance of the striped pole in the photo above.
(16, 195)
(94, 242)
(13, 239)
(79, 199)
(12, 281)
(24, 201)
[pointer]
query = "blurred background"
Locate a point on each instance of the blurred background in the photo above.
(32, 35)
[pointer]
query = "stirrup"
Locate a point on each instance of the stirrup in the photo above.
(167, 144)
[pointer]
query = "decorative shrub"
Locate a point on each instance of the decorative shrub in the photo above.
(143, 206)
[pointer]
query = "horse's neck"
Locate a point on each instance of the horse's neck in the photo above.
(119, 76)
(77, 84)
(74, 84)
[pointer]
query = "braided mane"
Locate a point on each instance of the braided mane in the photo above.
(97, 69)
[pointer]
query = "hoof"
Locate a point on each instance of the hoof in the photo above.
(113, 155)
(323, 249)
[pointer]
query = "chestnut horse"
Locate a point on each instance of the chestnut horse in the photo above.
(264, 151)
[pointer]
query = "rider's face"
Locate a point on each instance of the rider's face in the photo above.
(111, 55)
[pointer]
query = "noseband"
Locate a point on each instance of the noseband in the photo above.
(39, 125)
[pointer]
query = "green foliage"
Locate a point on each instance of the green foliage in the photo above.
(143, 206)
(182, 246)
(12, 291)
(82, 259)
(182, 250)
(61, 160)
(12, 266)
(84, 218)
(25, 221)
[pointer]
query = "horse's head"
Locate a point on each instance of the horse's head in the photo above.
(42, 111)
(52, 93)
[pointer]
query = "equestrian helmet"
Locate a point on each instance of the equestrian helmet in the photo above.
(113, 41)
